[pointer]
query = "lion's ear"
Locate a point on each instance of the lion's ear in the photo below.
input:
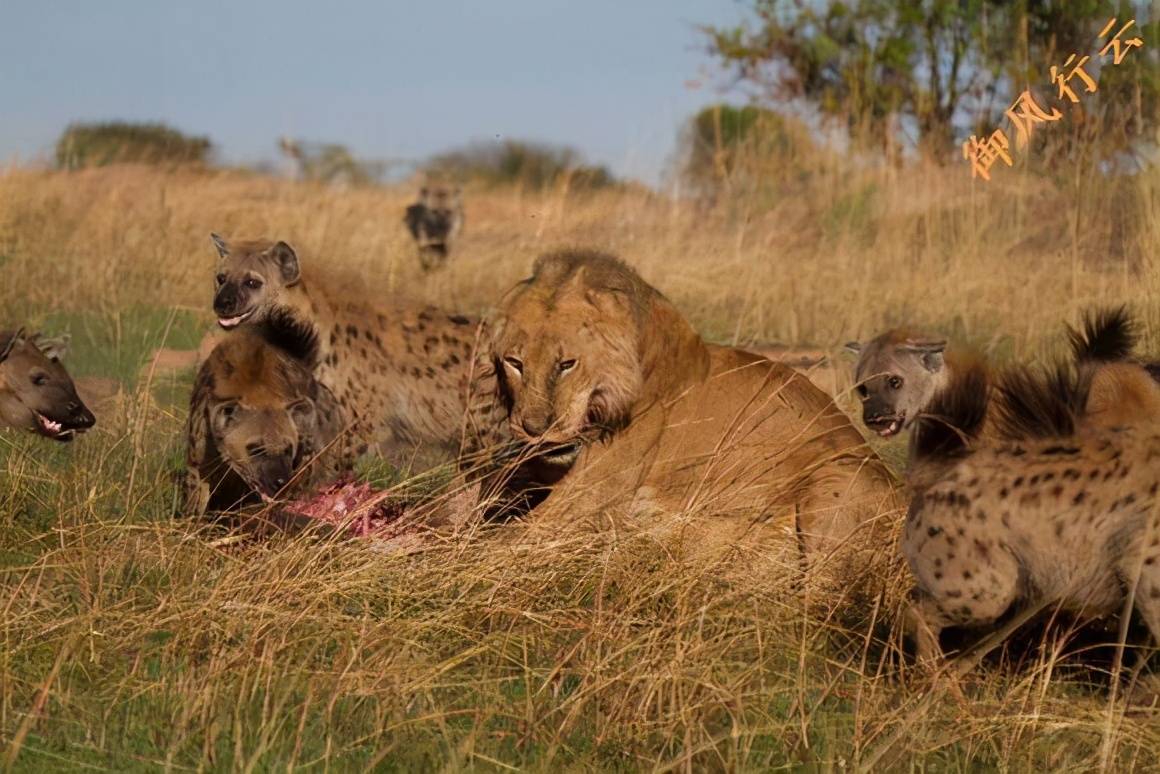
(609, 299)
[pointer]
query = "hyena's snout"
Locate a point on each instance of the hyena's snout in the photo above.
(273, 472)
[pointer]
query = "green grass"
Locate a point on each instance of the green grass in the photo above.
(132, 639)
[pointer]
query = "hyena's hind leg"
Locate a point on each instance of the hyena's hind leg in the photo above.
(924, 623)
(1147, 604)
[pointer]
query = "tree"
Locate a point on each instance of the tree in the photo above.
(518, 162)
(89, 145)
(936, 67)
(741, 149)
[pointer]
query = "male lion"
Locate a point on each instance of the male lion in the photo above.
(614, 396)
(257, 416)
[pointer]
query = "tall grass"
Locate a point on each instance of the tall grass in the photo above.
(131, 639)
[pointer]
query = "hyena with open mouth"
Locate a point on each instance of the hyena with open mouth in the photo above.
(36, 392)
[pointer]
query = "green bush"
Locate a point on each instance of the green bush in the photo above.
(517, 162)
(744, 151)
(95, 145)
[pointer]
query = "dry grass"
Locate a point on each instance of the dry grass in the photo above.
(128, 640)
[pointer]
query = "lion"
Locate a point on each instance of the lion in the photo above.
(257, 417)
(612, 395)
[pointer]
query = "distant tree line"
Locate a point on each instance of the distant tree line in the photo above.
(520, 163)
(928, 72)
(119, 142)
(510, 162)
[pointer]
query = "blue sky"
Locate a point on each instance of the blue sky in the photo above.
(399, 80)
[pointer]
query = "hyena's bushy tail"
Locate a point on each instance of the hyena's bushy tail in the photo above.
(1048, 403)
(955, 416)
(1106, 336)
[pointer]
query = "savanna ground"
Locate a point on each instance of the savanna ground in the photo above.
(130, 639)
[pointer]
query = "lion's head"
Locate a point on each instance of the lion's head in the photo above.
(581, 347)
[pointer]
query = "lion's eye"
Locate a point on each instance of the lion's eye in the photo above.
(515, 364)
(567, 365)
(226, 413)
(221, 279)
(895, 382)
(253, 283)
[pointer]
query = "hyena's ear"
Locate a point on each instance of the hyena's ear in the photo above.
(6, 344)
(329, 418)
(287, 261)
(54, 348)
(222, 247)
(928, 351)
(197, 425)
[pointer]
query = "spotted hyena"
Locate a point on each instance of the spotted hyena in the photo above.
(1053, 512)
(36, 392)
(257, 420)
(899, 372)
(434, 222)
(407, 376)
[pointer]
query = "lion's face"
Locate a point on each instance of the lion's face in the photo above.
(568, 367)
(251, 278)
(36, 393)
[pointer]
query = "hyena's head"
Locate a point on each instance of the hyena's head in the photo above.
(896, 377)
(441, 198)
(252, 280)
(36, 393)
(266, 413)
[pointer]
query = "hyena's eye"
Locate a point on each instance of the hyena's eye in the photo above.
(40, 380)
(253, 283)
(895, 382)
(863, 393)
(221, 279)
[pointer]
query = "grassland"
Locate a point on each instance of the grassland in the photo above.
(130, 641)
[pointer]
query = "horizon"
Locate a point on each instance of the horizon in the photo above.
(548, 72)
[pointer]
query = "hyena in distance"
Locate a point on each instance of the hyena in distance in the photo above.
(406, 375)
(36, 392)
(434, 222)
